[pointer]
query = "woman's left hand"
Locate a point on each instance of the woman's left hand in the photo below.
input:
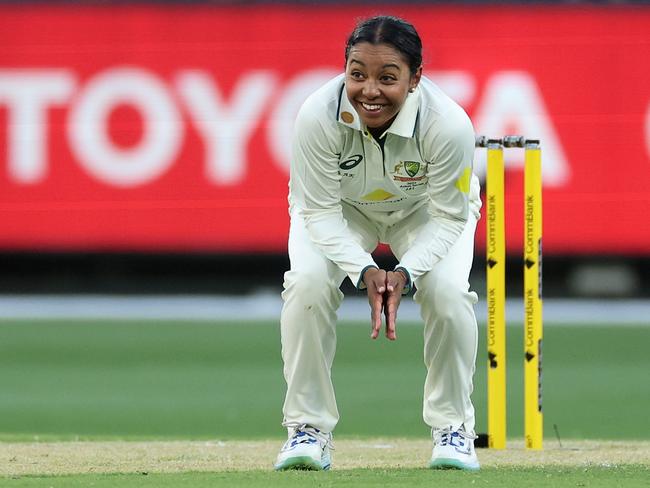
(395, 283)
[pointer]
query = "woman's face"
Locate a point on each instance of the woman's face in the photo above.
(377, 81)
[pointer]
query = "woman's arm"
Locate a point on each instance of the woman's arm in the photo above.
(451, 153)
(315, 189)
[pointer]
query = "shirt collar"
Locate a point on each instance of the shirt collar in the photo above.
(347, 115)
(403, 125)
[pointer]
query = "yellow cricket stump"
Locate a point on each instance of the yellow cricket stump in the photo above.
(496, 294)
(533, 423)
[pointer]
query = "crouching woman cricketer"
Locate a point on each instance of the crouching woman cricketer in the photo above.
(380, 155)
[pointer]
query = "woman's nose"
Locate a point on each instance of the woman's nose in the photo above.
(371, 90)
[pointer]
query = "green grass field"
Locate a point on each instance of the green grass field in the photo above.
(192, 380)
(602, 477)
(102, 380)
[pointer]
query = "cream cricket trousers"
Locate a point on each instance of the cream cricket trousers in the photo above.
(308, 323)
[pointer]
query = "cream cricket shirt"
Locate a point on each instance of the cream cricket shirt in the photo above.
(426, 160)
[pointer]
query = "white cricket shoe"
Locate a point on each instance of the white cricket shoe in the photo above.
(453, 449)
(307, 448)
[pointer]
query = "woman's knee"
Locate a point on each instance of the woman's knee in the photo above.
(312, 283)
(444, 294)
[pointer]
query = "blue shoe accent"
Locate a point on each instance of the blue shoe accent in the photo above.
(306, 449)
(453, 449)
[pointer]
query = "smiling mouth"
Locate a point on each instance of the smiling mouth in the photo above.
(371, 107)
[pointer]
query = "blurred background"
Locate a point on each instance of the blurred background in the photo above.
(144, 146)
(144, 153)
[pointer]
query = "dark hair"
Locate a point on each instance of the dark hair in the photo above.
(385, 29)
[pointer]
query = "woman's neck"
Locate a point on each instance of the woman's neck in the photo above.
(378, 131)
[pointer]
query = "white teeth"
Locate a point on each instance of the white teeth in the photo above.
(370, 107)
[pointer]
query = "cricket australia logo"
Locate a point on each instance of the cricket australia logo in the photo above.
(408, 171)
(412, 167)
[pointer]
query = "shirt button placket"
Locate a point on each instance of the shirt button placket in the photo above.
(376, 162)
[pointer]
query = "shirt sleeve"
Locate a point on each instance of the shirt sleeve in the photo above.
(449, 172)
(315, 189)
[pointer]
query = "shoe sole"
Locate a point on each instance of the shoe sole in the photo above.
(304, 463)
(447, 463)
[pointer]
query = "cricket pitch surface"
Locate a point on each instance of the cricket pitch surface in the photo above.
(58, 458)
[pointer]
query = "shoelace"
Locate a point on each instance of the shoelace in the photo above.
(443, 436)
(323, 438)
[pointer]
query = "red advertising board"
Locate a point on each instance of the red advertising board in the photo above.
(167, 128)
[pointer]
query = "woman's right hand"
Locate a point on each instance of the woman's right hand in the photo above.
(384, 295)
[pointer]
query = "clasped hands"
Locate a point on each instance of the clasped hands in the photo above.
(384, 295)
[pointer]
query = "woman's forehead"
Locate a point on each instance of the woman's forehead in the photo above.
(365, 52)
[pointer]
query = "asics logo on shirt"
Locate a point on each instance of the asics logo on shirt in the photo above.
(351, 162)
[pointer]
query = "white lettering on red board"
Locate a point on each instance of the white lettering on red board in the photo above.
(28, 94)
(286, 109)
(226, 126)
(89, 137)
(512, 103)
(510, 99)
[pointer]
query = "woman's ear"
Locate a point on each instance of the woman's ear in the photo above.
(415, 79)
